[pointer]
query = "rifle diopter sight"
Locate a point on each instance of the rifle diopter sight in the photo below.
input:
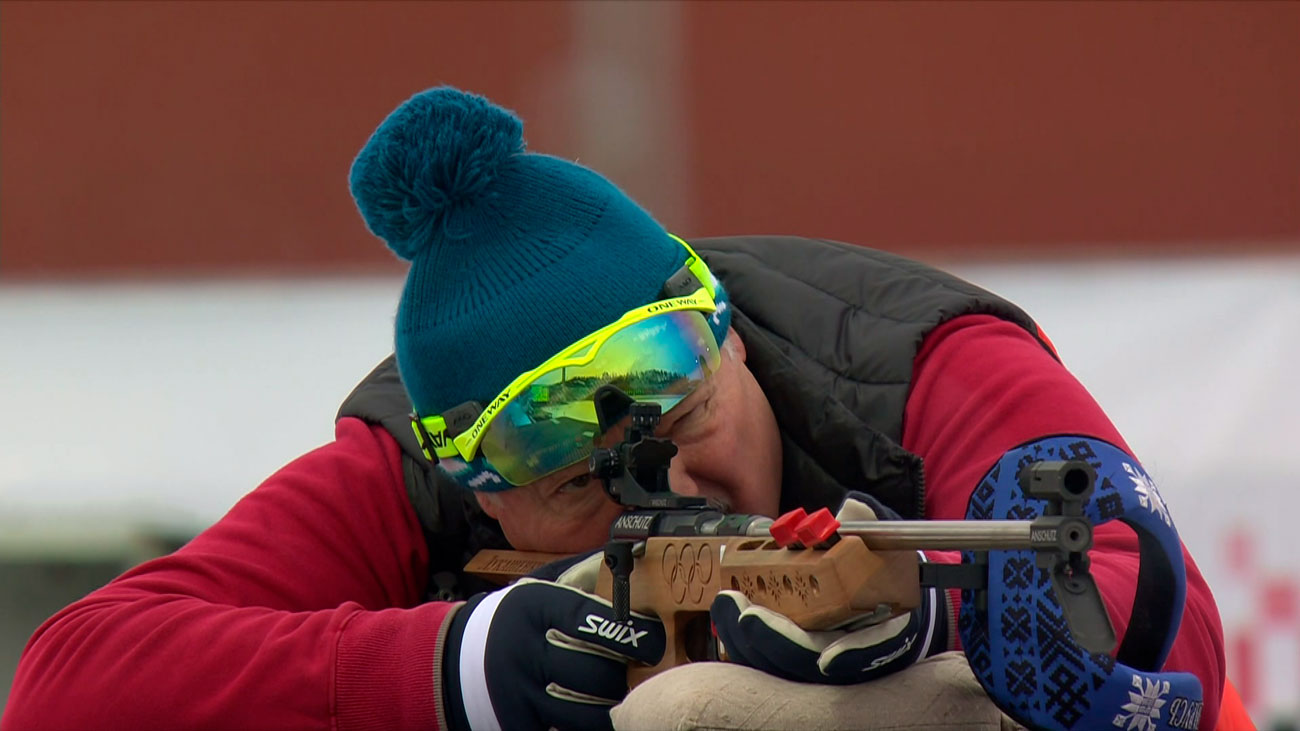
(635, 472)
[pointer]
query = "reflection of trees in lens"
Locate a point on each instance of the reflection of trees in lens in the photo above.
(571, 398)
(650, 382)
(581, 388)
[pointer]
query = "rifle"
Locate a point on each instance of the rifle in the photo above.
(670, 554)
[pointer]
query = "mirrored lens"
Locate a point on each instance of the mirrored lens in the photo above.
(552, 424)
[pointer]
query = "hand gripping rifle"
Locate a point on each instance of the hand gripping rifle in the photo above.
(670, 554)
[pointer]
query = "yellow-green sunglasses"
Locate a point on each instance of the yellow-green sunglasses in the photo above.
(545, 420)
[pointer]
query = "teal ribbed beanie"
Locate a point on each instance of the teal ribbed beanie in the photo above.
(514, 255)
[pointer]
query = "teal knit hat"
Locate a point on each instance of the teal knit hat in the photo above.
(514, 255)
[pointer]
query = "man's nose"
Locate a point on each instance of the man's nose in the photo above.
(680, 480)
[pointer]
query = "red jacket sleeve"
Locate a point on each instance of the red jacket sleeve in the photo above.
(982, 386)
(299, 609)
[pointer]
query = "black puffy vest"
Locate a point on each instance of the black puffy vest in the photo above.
(831, 331)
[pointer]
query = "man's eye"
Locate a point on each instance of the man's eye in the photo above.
(690, 419)
(576, 483)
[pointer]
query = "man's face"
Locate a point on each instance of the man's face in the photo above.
(728, 449)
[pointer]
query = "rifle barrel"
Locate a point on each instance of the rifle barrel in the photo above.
(934, 535)
(941, 535)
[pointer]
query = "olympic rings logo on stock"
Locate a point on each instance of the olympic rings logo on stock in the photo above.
(687, 570)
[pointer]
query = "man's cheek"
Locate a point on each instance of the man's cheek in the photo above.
(572, 539)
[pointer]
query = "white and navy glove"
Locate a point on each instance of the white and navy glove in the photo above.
(769, 641)
(543, 654)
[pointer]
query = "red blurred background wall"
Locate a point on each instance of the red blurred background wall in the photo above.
(148, 138)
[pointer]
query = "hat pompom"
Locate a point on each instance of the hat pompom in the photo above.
(438, 151)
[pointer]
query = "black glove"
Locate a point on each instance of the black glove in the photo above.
(539, 654)
(769, 641)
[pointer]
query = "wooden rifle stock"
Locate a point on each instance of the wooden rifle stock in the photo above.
(677, 577)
